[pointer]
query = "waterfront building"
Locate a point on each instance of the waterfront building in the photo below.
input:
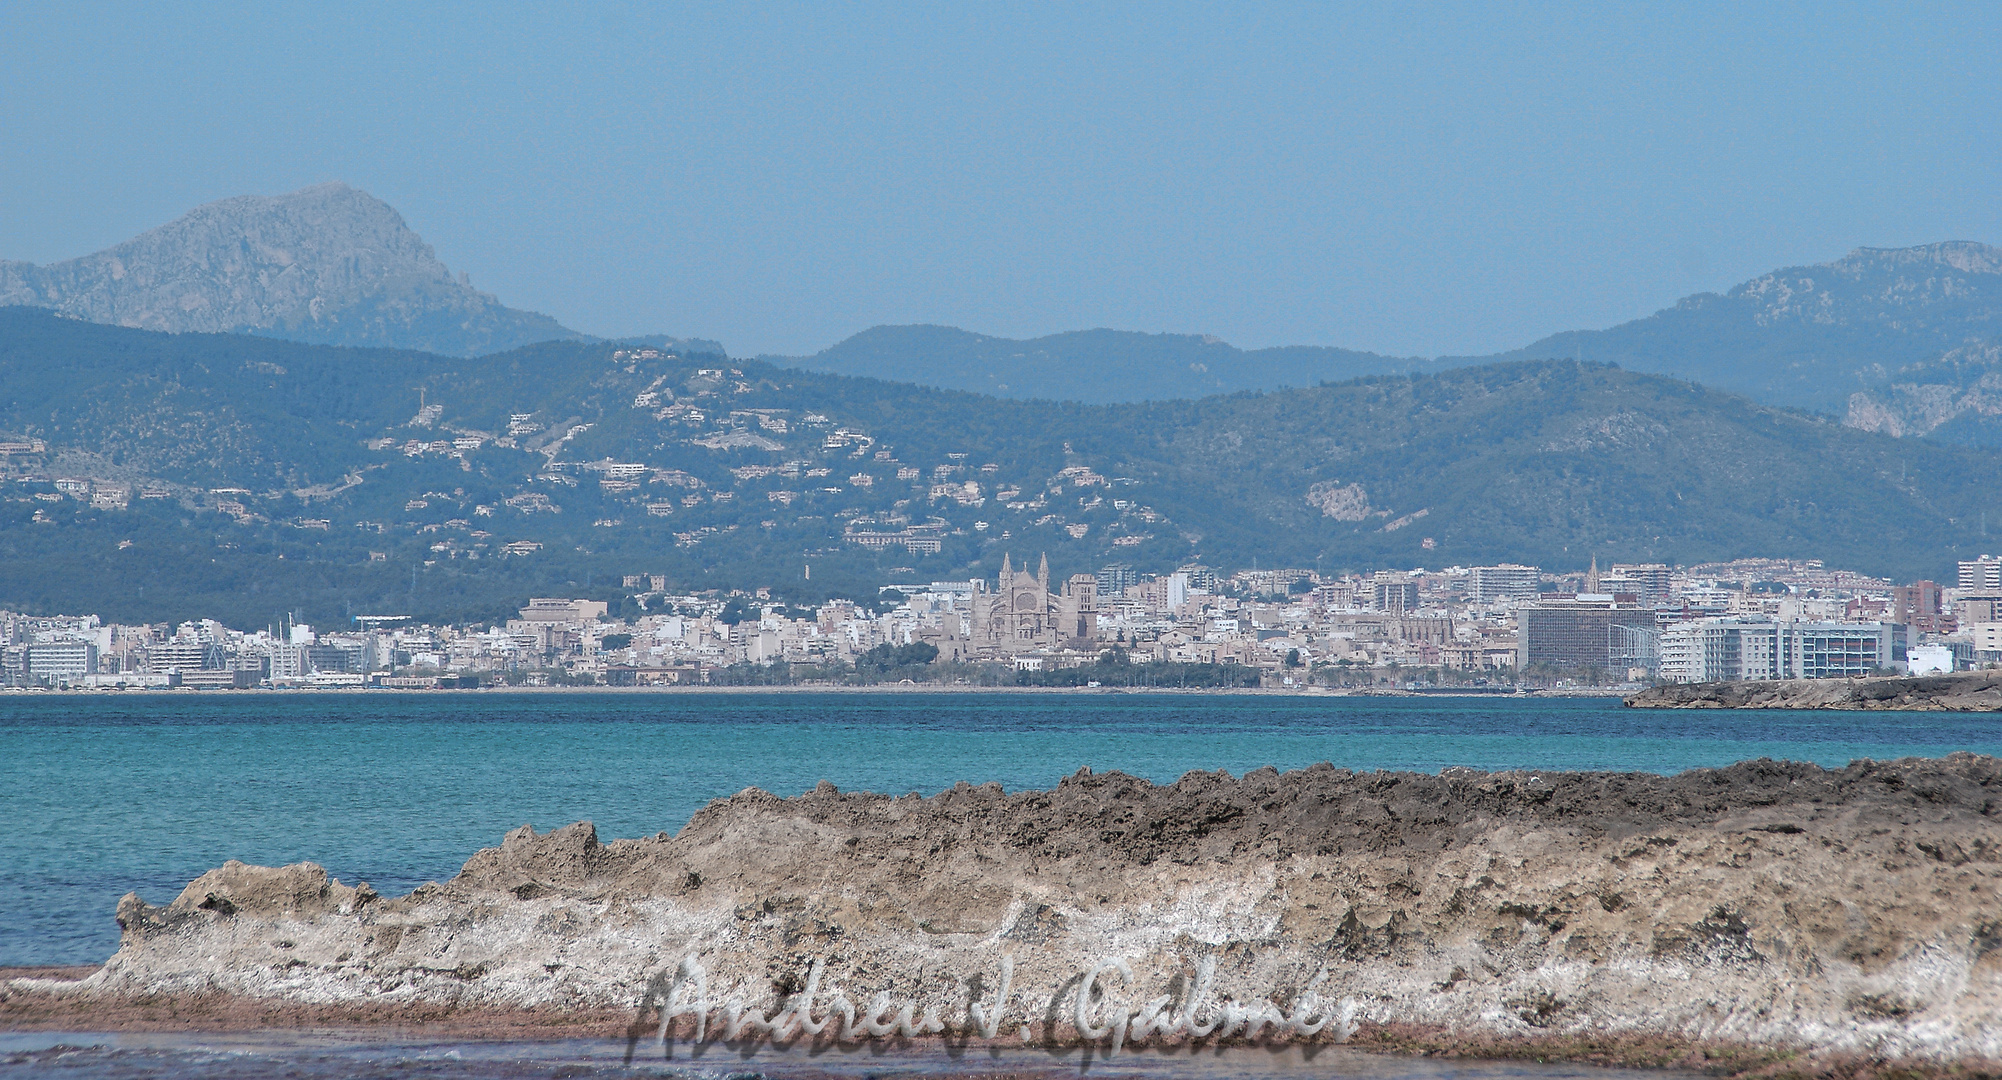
(55, 663)
(1756, 647)
(1589, 630)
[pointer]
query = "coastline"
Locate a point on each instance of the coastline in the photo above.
(833, 688)
(1765, 919)
(1971, 691)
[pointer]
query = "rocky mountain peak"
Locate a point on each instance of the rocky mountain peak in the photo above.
(1812, 336)
(1965, 256)
(1948, 290)
(330, 264)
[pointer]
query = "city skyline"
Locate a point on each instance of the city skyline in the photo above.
(1285, 627)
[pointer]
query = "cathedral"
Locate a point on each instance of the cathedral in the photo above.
(1022, 613)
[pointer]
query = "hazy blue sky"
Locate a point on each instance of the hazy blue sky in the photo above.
(1419, 180)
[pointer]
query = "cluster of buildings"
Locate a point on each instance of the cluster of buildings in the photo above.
(1751, 619)
(80, 651)
(1781, 621)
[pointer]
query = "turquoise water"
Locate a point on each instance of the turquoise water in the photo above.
(102, 795)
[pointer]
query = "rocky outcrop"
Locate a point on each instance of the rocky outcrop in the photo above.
(1957, 395)
(328, 264)
(1767, 905)
(1974, 691)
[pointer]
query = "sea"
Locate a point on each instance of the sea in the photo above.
(104, 795)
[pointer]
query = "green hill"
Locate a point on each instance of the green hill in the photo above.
(346, 489)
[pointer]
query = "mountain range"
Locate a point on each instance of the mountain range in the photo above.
(167, 476)
(329, 264)
(1902, 341)
(1838, 337)
(167, 453)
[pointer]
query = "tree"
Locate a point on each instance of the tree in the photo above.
(886, 657)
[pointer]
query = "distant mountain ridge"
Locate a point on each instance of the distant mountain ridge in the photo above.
(329, 264)
(1093, 366)
(1903, 341)
(1808, 336)
(1839, 338)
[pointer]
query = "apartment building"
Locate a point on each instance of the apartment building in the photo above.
(1507, 581)
(1753, 647)
(1982, 575)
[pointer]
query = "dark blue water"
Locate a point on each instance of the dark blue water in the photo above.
(101, 795)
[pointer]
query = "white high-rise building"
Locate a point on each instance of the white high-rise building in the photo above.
(1491, 584)
(1755, 647)
(1981, 576)
(1682, 653)
(60, 661)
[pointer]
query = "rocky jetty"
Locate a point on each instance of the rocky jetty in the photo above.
(1974, 691)
(1766, 910)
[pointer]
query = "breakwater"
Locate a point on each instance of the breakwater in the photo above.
(1974, 691)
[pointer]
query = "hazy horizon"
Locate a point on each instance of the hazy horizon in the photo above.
(1434, 181)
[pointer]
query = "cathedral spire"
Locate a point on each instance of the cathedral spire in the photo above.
(1592, 576)
(1043, 572)
(1007, 568)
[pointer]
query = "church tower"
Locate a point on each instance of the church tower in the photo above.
(1043, 574)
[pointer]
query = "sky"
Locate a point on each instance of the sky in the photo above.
(1413, 180)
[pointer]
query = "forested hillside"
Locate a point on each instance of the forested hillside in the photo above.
(261, 477)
